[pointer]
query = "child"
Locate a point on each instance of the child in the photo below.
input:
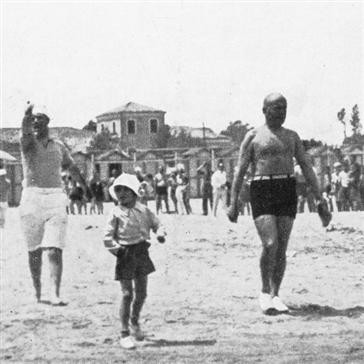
(126, 236)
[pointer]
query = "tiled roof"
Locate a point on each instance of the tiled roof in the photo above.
(131, 107)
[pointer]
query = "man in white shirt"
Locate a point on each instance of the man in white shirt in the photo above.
(218, 182)
(343, 195)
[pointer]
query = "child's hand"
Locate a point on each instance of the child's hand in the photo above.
(161, 239)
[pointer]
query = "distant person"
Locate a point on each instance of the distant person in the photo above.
(207, 195)
(4, 194)
(161, 189)
(327, 190)
(96, 188)
(218, 182)
(172, 183)
(43, 214)
(76, 196)
(127, 236)
(335, 186)
(354, 184)
(270, 150)
(182, 196)
(344, 191)
(186, 193)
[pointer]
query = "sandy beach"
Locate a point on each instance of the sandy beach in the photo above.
(202, 305)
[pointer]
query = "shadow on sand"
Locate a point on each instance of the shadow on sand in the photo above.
(164, 343)
(325, 311)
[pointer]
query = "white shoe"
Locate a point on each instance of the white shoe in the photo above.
(265, 302)
(279, 305)
(137, 332)
(127, 342)
(57, 301)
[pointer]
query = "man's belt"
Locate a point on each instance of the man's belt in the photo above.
(272, 176)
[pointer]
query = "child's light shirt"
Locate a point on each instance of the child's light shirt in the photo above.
(129, 226)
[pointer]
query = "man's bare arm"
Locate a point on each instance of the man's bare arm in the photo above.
(306, 167)
(27, 138)
(245, 157)
(244, 160)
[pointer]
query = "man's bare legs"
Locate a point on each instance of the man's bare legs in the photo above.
(56, 269)
(274, 233)
(268, 232)
(35, 265)
(285, 224)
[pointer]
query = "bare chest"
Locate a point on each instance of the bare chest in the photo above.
(271, 145)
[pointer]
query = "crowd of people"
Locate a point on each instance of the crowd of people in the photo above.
(169, 188)
(343, 189)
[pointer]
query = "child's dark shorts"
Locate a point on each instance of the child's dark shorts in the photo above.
(274, 197)
(133, 261)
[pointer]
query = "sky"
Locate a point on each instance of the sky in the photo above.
(201, 62)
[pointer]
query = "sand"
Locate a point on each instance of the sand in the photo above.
(202, 300)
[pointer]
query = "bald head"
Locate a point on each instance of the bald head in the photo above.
(274, 109)
(273, 98)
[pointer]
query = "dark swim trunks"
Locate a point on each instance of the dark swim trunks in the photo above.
(133, 261)
(274, 197)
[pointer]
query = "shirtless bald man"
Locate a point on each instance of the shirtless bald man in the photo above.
(43, 204)
(270, 150)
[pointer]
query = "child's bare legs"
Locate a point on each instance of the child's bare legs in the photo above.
(126, 299)
(140, 288)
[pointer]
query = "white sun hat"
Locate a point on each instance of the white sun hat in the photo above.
(127, 180)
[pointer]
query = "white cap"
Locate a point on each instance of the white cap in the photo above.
(40, 109)
(127, 180)
(137, 169)
(2, 172)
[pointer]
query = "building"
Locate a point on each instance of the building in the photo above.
(136, 125)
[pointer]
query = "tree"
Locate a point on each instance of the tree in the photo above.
(355, 121)
(237, 131)
(105, 140)
(91, 126)
(341, 116)
(184, 140)
(163, 136)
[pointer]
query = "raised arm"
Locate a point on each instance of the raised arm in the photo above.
(245, 157)
(306, 167)
(27, 138)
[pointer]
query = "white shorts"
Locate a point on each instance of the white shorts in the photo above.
(43, 217)
(3, 208)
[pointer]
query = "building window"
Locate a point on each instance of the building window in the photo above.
(153, 124)
(131, 126)
(114, 127)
